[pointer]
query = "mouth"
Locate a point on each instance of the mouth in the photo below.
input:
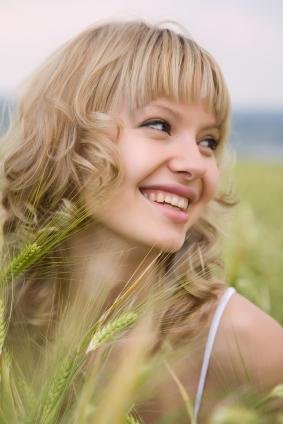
(174, 207)
(167, 199)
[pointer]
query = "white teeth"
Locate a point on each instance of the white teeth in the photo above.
(160, 197)
(152, 197)
(181, 203)
(174, 200)
(168, 199)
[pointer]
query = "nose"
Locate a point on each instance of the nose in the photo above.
(187, 160)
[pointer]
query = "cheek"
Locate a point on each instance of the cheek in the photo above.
(215, 183)
(211, 183)
(131, 158)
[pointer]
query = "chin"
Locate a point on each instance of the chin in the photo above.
(170, 245)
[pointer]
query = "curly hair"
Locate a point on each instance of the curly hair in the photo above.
(64, 134)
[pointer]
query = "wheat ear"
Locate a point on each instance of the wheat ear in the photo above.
(69, 366)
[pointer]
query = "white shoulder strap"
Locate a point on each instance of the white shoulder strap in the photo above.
(209, 345)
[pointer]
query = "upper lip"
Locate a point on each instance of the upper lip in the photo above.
(183, 191)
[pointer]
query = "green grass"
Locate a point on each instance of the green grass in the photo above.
(254, 252)
(262, 185)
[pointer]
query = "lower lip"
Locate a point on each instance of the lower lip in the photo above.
(180, 217)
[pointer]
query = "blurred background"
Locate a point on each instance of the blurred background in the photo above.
(245, 37)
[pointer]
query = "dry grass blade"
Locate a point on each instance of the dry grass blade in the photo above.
(128, 291)
(185, 396)
(8, 405)
(3, 325)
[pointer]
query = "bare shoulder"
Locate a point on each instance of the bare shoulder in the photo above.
(249, 344)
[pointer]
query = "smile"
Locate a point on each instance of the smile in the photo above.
(168, 199)
(172, 206)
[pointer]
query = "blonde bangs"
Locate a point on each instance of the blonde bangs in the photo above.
(162, 63)
(137, 63)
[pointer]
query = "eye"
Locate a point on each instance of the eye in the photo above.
(209, 143)
(158, 124)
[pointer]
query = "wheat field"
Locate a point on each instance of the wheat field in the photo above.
(253, 246)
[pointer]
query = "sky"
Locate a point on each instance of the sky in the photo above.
(245, 37)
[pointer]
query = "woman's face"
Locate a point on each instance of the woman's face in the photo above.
(168, 153)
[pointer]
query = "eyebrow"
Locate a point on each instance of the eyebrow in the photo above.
(177, 115)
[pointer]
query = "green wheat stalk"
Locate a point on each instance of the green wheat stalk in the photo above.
(131, 420)
(69, 366)
(26, 257)
(57, 389)
(111, 330)
(235, 414)
(276, 392)
(65, 220)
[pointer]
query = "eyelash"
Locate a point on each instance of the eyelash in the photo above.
(211, 141)
(166, 125)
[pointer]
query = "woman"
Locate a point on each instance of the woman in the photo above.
(128, 123)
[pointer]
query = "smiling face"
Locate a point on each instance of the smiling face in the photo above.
(168, 154)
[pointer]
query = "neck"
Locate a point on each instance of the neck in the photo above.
(104, 264)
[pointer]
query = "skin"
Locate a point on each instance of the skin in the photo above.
(164, 142)
(153, 153)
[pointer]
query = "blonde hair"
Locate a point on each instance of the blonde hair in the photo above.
(63, 134)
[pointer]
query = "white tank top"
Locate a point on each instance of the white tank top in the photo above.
(209, 345)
